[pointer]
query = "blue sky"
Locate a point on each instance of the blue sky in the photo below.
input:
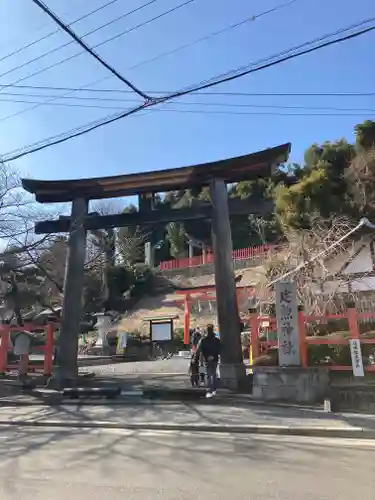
(166, 139)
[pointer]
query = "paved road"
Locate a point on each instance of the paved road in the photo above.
(97, 465)
(171, 373)
(185, 414)
(175, 365)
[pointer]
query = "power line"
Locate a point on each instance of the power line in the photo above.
(263, 60)
(134, 28)
(215, 33)
(245, 113)
(183, 103)
(224, 79)
(159, 56)
(36, 30)
(88, 49)
(78, 131)
(51, 33)
(277, 56)
(209, 103)
(66, 44)
(64, 104)
(329, 111)
(156, 92)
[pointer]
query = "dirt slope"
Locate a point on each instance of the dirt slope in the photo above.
(165, 304)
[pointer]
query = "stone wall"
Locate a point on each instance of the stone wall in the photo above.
(290, 384)
(357, 396)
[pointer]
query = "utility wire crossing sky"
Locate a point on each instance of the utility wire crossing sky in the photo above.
(226, 77)
(62, 94)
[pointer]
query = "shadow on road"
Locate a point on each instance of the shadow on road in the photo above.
(146, 453)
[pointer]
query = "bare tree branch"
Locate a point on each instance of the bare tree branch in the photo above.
(319, 286)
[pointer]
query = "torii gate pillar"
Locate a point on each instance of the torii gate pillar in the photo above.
(232, 369)
(73, 287)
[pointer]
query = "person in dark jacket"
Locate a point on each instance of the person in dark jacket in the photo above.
(194, 371)
(195, 336)
(209, 348)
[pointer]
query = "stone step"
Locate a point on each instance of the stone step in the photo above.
(115, 392)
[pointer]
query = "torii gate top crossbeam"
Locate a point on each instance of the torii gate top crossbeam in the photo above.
(230, 170)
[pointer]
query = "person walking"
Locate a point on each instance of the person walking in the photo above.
(195, 336)
(209, 347)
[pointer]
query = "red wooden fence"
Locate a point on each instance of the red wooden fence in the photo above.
(44, 366)
(352, 316)
(208, 258)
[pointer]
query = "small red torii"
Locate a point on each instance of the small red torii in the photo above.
(207, 292)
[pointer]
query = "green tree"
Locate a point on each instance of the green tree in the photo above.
(361, 173)
(365, 135)
(177, 239)
(321, 188)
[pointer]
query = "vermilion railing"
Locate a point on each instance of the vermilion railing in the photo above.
(351, 315)
(44, 366)
(208, 258)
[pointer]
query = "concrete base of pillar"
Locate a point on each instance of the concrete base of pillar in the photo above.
(232, 376)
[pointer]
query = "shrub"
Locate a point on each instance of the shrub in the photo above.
(269, 359)
(178, 339)
(316, 354)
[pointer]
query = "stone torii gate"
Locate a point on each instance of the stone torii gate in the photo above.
(215, 175)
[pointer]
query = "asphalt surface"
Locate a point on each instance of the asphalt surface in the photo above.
(176, 365)
(182, 414)
(168, 373)
(95, 464)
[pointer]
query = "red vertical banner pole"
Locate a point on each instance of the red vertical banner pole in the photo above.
(353, 323)
(48, 350)
(4, 333)
(254, 322)
(302, 340)
(187, 321)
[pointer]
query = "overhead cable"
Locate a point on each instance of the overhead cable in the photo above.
(289, 52)
(103, 42)
(118, 116)
(85, 103)
(201, 111)
(51, 33)
(248, 19)
(158, 92)
(58, 63)
(260, 61)
(88, 49)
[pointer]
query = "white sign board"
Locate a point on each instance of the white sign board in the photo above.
(122, 340)
(356, 353)
(161, 332)
(287, 324)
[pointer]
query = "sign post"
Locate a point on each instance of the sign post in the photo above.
(356, 354)
(122, 342)
(287, 324)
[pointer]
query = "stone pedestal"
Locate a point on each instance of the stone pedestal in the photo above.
(103, 326)
(232, 376)
(149, 254)
(290, 384)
